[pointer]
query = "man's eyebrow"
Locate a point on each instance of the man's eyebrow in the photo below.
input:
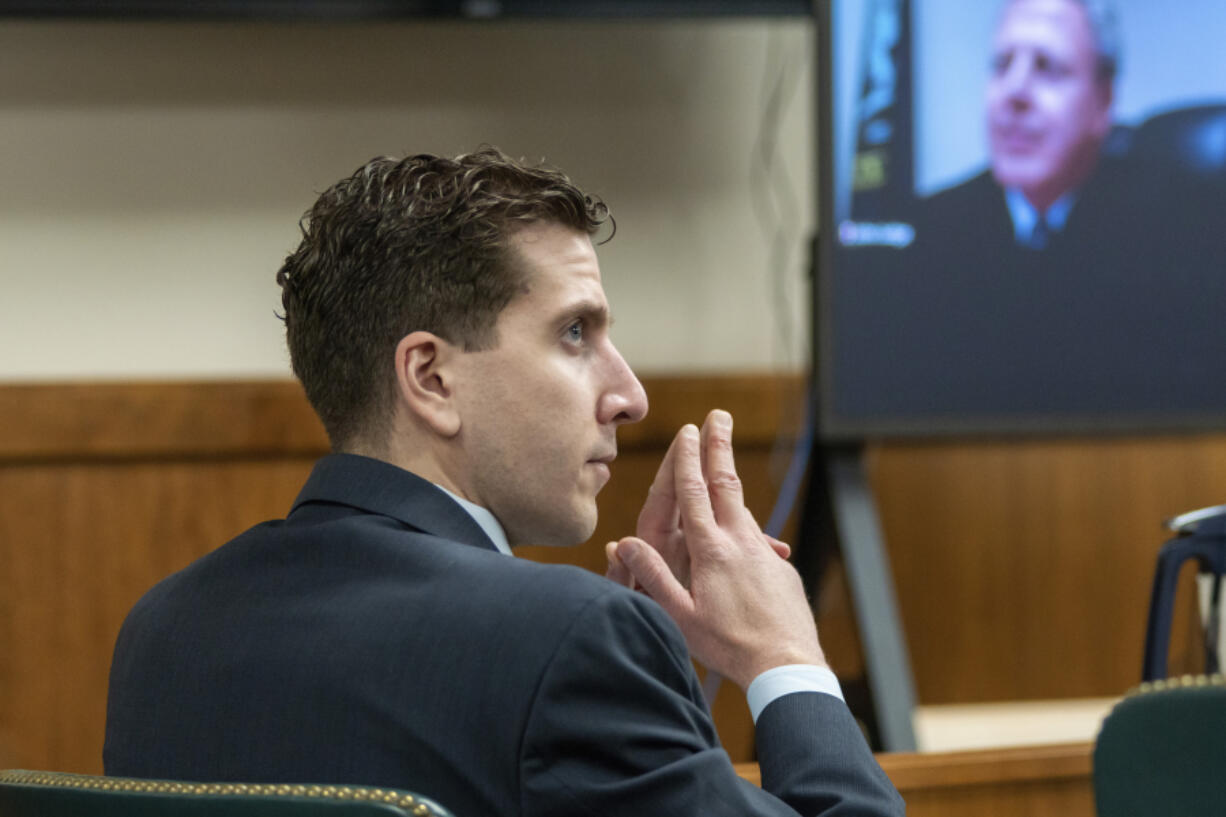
(590, 311)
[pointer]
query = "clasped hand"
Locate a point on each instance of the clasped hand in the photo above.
(700, 554)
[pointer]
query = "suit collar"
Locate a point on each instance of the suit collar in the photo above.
(379, 487)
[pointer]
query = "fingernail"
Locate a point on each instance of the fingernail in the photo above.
(722, 418)
(690, 431)
(627, 549)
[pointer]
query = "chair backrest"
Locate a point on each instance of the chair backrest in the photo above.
(1162, 751)
(57, 794)
(1191, 139)
(1206, 545)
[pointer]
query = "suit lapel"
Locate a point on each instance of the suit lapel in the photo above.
(378, 487)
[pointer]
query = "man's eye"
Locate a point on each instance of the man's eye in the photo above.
(1050, 68)
(574, 332)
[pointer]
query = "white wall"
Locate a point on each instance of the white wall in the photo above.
(152, 175)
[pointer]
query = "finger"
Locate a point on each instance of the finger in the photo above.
(727, 496)
(693, 501)
(617, 571)
(783, 549)
(651, 572)
(704, 441)
(659, 512)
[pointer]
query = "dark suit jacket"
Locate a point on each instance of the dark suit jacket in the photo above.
(375, 636)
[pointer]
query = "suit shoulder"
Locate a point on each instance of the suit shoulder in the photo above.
(978, 201)
(977, 189)
(559, 586)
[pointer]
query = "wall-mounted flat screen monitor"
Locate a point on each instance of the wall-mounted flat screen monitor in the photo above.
(395, 9)
(1023, 216)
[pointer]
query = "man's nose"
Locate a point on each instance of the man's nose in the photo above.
(1017, 79)
(623, 400)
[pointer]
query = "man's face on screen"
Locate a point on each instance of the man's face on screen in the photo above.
(1048, 110)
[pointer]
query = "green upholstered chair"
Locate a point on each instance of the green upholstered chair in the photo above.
(1162, 751)
(56, 794)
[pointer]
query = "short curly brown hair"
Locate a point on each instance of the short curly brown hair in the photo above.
(420, 243)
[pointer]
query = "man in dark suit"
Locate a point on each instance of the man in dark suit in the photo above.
(1048, 104)
(1071, 277)
(448, 323)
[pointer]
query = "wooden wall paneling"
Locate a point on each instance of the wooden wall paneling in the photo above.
(106, 488)
(75, 421)
(80, 543)
(1024, 568)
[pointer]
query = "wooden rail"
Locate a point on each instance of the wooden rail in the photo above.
(1016, 782)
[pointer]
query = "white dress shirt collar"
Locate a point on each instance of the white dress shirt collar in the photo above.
(487, 521)
(1025, 216)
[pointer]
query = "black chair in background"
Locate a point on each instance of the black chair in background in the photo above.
(1200, 535)
(1190, 140)
(1161, 750)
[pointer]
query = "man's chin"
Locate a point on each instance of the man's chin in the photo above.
(560, 532)
(1017, 174)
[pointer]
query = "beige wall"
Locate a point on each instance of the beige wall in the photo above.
(151, 175)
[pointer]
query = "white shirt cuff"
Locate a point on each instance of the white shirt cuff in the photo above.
(780, 681)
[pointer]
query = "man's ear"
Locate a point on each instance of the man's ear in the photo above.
(1106, 98)
(424, 374)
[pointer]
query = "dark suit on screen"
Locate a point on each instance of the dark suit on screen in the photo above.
(376, 636)
(1120, 310)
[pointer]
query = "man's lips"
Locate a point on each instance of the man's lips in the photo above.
(601, 464)
(1015, 138)
(604, 458)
